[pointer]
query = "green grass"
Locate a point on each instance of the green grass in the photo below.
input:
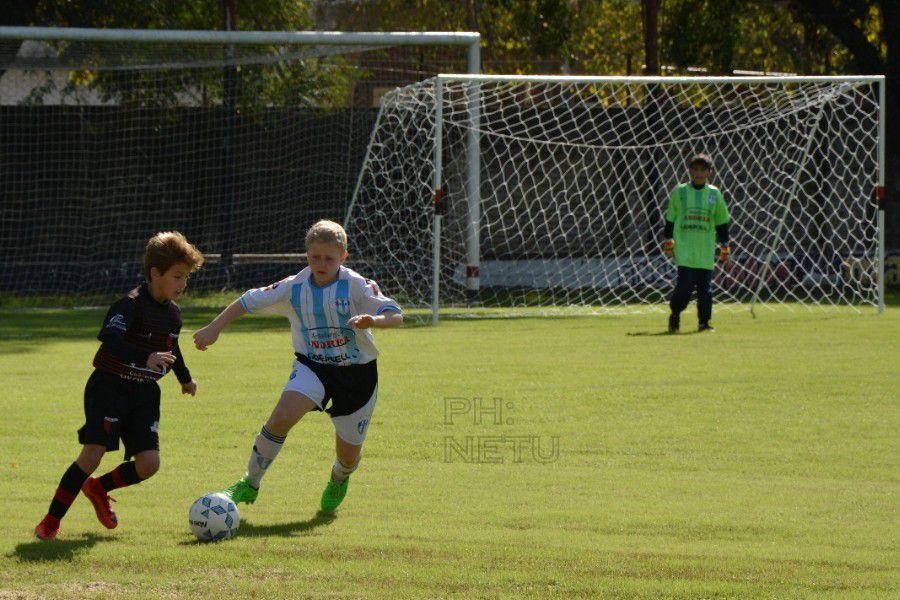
(757, 462)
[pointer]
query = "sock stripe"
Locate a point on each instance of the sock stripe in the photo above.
(64, 497)
(117, 478)
(272, 437)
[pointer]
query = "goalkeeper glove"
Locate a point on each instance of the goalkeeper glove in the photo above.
(724, 252)
(669, 248)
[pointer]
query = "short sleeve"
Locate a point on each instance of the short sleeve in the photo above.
(672, 208)
(273, 299)
(369, 299)
(721, 213)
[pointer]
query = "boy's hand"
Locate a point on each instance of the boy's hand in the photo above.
(668, 248)
(189, 388)
(203, 338)
(160, 361)
(724, 252)
(361, 321)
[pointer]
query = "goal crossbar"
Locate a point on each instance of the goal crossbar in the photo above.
(176, 36)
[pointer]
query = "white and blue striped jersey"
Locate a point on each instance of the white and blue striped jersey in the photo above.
(319, 315)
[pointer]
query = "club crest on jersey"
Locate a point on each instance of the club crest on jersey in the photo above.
(712, 199)
(342, 305)
(117, 322)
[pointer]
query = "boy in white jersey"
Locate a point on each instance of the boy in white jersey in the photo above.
(331, 309)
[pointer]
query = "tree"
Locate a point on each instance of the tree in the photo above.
(870, 30)
(650, 18)
(302, 81)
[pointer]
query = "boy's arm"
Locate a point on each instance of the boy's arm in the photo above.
(721, 219)
(668, 244)
(375, 309)
(385, 320)
(188, 385)
(207, 336)
(118, 320)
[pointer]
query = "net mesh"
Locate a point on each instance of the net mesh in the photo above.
(241, 148)
(575, 176)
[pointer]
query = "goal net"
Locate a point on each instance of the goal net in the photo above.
(552, 191)
(239, 144)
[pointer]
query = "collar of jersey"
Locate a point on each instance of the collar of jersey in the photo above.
(145, 289)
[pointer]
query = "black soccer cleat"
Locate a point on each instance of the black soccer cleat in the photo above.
(706, 327)
(674, 323)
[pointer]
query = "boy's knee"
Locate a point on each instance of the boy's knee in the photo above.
(90, 458)
(281, 421)
(147, 465)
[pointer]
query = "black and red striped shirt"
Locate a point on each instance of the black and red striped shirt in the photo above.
(135, 327)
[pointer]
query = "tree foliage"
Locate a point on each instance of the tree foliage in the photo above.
(304, 81)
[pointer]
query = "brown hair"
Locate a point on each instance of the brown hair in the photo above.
(167, 248)
(328, 232)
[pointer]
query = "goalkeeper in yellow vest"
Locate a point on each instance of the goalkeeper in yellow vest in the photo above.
(696, 218)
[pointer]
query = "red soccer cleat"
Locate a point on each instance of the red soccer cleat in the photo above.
(47, 528)
(100, 499)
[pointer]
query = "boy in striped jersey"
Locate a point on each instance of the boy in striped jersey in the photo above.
(332, 310)
(121, 399)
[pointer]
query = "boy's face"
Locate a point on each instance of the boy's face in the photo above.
(171, 284)
(699, 173)
(325, 259)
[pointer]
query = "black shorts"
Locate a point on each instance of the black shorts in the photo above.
(115, 408)
(348, 388)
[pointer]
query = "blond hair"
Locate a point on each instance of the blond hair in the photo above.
(327, 232)
(167, 248)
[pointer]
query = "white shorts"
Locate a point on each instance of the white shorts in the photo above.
(352, 392)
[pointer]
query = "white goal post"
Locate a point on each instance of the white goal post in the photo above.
(535, 191)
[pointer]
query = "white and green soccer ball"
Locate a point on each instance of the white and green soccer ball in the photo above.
(214, 517)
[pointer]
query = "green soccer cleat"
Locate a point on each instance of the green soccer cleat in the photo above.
(334, 494)
(242, 491)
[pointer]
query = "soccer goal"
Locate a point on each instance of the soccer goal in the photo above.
(241, 140)
(549, 192)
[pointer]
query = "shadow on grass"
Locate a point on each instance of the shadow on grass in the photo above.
(58, 549)
(23, 330)
(287, 529)
(648, 333)
(666, 333)
(248, 529)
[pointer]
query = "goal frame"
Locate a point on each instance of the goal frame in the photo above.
(473, 182)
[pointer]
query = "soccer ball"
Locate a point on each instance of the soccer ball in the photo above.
(214, 517)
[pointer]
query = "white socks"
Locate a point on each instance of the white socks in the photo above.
(265, 449)
(341, 472)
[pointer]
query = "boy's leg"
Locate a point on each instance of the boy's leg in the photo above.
(99, 434)
(302, 393)
(703, 278)
(139, 430)
(144, 466)
(289, 410)
(68, 488)
(348, 457)
(681, 296)
(350, 433)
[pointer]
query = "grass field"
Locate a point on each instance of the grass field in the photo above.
(761, 461)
